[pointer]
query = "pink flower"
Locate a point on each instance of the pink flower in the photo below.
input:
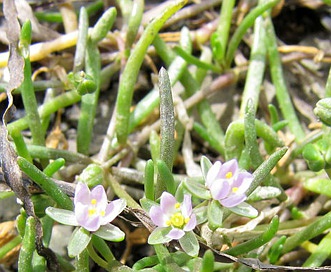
(170, 213)
(92, 209)
(227, 183)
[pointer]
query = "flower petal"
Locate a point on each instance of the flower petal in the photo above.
(213, 173)
(229, 166)
(113, 209)
(220, 189)
(233, 200)
(191, 224)
(157, 216)
(82, 194)
(176, 234)
(243, 181)
(98, 193)
(92, 224)
(81, 213)
(167, 203)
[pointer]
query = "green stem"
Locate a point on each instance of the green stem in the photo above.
(27, 91)
(256, 67)
(4, 249)
(82, 261)
(131, 70)
(277, 76)
(59, 102)
(309, 232)
(224, 25)
(243, 27)
(28, 246)
(95, 257)
(322, 252)
(45, 183)
(134, 22)
(257, 241)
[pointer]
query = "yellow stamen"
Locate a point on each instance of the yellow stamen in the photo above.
(91, 212)
(235, 189)
(229, 175)
(177, 205)
(102, 213)
(187, 219)
(93, 201)
(177, 220)
(168, 222)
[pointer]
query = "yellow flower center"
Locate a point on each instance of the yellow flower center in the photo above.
(91, 212)
(93, 201)
(177, 220)
(235, 189)
(229, 175)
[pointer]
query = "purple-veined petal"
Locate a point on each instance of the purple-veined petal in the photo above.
(82, 194)
(191, 224)
(220, 189)
(233, 200)
(158, 217)
(176, 234)
(167, 203)
(213, 173)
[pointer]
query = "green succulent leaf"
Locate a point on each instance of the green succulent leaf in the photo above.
(78, 241)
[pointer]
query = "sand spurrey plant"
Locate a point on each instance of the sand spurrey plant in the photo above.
(156, 137)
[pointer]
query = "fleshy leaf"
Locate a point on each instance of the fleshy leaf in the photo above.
(201, 214)
(318, 185)
(215, 215)
(158, 236)
(264, 192)
(205, 164)
(197, 189)
(244, 209)
(190, 244)
(62, 216)
(147, 204)
(78, 241)
(110, 232)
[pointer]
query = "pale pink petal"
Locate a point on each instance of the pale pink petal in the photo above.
(113, 209)
(220, 189)
(98, 193)
(233, 200)
(167, 203)
(81, 213)
(229, 166)
(92, 224)
(213, 173)
(82, 194)
(243, 182)
(191, 224)
(176, 234)
(158, 217)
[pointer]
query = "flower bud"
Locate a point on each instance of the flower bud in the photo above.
(323, 110)
(92, 175)
(313, 157)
